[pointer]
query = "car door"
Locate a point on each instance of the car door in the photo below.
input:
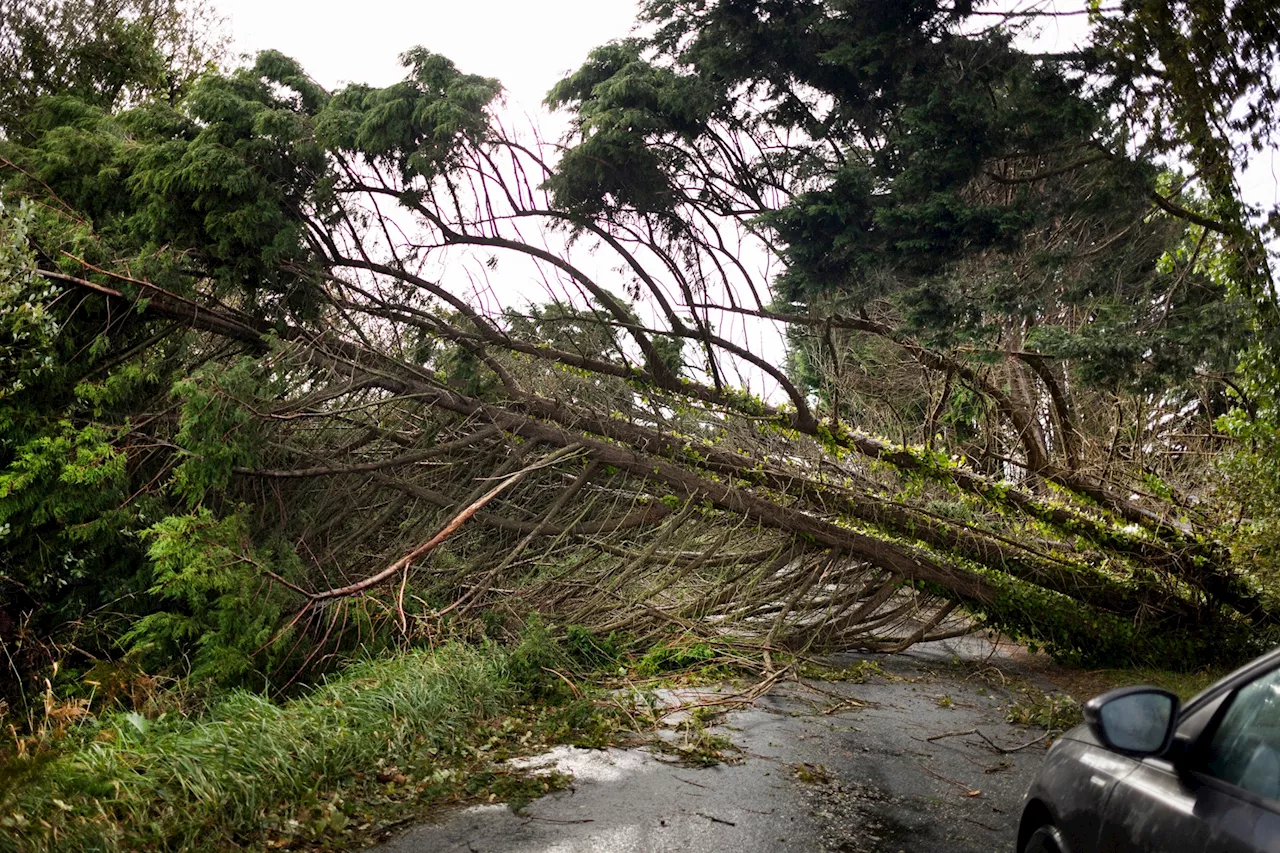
(1219, 792)
(1078, 777)
(1236, 763)
(1155, 809)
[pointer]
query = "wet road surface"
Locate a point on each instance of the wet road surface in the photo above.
(891, 764)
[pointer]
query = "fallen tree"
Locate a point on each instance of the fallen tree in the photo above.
(295, 370)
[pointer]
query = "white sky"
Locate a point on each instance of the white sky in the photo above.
(527, 45)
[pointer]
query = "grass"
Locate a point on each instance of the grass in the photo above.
(383, 744)
(1184, 684)
(423, 727)
(1058, 710)
(1083, 684)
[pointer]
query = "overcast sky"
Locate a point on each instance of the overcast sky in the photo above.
(527, 44)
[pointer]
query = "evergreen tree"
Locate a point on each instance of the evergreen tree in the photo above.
(235, 392)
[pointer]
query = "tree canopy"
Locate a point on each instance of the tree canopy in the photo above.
(266, 347)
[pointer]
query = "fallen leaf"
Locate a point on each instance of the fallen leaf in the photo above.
(391, 774)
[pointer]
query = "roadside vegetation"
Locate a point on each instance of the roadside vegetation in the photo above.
(386, 742)
(407, 734)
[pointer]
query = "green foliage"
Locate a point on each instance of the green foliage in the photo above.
(624, 109)
(665, 658)
(216, 428)
(1052, 711)
(416, 126)
(1252, 483)
(64, 530)
(696, 746)
(100, 53)
(70, 501)
(534, 660)
(591, 651)
(859, 672)
(27, 325)
(1214, 100)
(221, 175)
(1084, 635)
(215, 609)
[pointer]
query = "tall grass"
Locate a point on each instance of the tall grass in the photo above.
(176, 784)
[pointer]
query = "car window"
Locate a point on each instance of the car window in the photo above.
(1245, 748)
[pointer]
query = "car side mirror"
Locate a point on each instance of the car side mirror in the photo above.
(1133, 720)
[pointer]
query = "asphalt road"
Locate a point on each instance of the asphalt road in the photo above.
(825, 766)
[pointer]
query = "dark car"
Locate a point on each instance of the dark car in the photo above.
(1143, 774)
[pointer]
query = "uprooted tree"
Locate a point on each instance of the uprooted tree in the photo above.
(829, 323)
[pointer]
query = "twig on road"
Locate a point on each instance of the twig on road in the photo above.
(845, 705)
(1000, 749)
(1006, 750)
(970, 792)
(715, 819)
(687, 782)
(955, 734)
